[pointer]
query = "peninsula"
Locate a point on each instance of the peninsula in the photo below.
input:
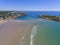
(54, 18)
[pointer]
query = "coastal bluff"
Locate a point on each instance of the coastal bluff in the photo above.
(54, 18)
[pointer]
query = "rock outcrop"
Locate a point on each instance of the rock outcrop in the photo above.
(54, 18)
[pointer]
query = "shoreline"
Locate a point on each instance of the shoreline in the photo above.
(8, 19)
(28, 36)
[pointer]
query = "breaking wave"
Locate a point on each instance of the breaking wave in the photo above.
(33, 33)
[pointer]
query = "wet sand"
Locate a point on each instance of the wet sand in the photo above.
(11, 33)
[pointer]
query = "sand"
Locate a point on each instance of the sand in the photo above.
(11, 32)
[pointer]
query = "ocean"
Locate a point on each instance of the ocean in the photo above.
(44, 32)
(36, 14)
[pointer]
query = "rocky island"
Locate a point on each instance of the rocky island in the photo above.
(10, 14)
(54, 18)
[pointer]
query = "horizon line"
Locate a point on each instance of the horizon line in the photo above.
(25, 10)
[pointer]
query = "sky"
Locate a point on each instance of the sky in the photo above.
(30, 5)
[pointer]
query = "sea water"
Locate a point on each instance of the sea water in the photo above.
(44, 32)
(48, 33)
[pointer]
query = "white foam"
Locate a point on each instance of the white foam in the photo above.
(33, 34)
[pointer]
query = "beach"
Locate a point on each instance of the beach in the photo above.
(30, 30)
(12, 33)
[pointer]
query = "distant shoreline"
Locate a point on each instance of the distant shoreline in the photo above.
(8, 15)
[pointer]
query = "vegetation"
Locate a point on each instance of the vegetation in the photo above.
(7, 14)
(3, 14)
(55, 18)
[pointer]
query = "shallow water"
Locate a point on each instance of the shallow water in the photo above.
(47, 32)
(44, 32)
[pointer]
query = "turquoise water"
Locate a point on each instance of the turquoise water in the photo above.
(45, 32)
(48, 33)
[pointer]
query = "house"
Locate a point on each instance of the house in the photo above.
(1, 17)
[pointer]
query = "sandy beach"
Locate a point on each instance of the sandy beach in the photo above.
(11, 33)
